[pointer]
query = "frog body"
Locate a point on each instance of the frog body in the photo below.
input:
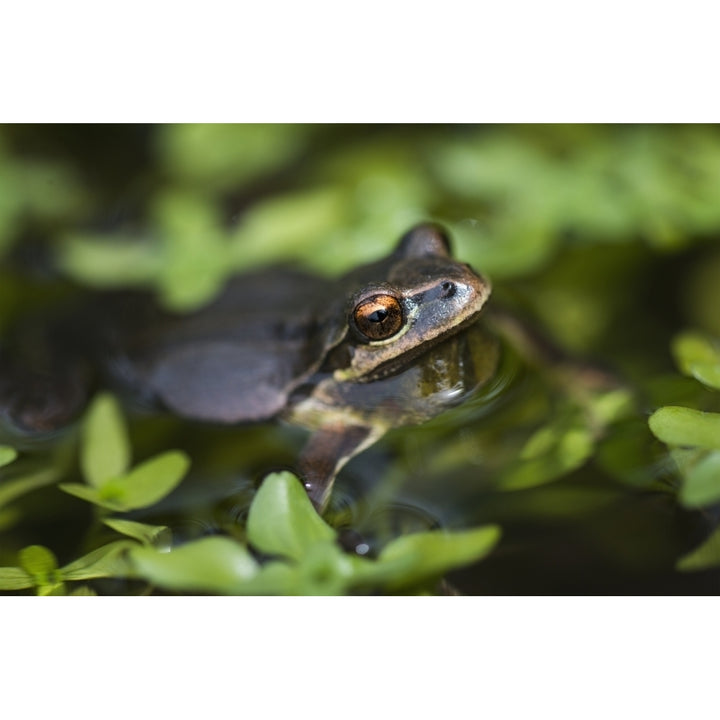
(391, 343)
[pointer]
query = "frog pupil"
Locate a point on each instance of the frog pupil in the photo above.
(378, 315)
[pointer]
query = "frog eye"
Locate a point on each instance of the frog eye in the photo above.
(378, 317)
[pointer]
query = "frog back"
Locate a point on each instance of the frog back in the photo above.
(235, 360)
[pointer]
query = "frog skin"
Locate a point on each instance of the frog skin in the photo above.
(389, 344)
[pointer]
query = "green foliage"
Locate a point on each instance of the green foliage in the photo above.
(425, 556)
(694, 435)
(152, 535)
(144, 485)
(694, 438)
(218, 155)
(7, 455)
(283, 523)
(105, 449)
(304, 555)
(38, 568)
(605, 185)
(282, 520)
(698, 355)
(685, 426)
(521, 193)
(213, 565)
(702, 479)
(105, 457)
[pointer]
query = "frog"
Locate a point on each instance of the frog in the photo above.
(391, 343)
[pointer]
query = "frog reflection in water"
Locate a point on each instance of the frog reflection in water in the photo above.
(392, 343)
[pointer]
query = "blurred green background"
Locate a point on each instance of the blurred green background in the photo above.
(606, 237)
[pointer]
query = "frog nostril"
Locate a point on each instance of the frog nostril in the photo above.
(447, 289)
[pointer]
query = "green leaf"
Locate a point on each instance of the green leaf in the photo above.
(147, 483)
(7, 455)
(37, 560)
(105, 451)
(707, 373)
(611, 406)
(213, 565)
(684, 426)
(432, 554)
(283, 521)
(90, 494)
(274, 578)
(705, 556)
(698, 355)
(41, 564)
(702, 482)
(11, 489)
(549, 454)
(155, 535)
(109, 260)
(695, 348)
(14, 578)
(324, 570)
(107, 561)
(220, 155)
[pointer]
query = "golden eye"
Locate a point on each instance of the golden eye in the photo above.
(378, 317)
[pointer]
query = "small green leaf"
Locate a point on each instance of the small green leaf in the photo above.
(147, 483)
(14, 578)
(702, 482)
(107, 561)
(41, 564)
(433, 553)
(105, 451)
(7, 455)
(109, 260)
(37, 560)
(684, 426)
(283, 521)
(612, 406)
(708, 374)
(213, 565)
(706, 555)
(695, 348)
(699, 356)
(541, 442)
(158, 536)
